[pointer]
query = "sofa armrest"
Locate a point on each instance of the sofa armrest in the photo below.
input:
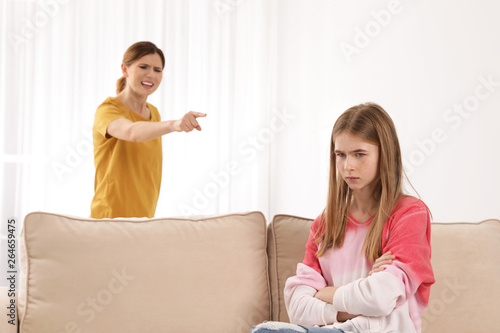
(8, 320)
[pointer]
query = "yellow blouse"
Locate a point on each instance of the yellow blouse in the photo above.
(127, 174)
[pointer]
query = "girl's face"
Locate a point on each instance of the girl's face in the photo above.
(144, 75)
(357, 162)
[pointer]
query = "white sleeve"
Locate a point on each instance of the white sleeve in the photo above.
(373, 296)
(302, 307)
(305, 309)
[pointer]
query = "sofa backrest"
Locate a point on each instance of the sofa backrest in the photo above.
(213, 274)
(466, 263)
(287, 238)
(465, 259)
(136, 275)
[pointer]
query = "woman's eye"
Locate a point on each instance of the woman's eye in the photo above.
(360, 154)
(340, 154)
(143, 67)
(157, 70)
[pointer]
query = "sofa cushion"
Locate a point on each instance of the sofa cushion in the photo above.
(466, 263)
(287, 242)
(137, 275)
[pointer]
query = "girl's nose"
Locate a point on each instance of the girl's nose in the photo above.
(348, 164)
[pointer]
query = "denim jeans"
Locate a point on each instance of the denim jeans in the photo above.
(309, 329)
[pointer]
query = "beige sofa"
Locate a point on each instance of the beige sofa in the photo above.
(213, 274)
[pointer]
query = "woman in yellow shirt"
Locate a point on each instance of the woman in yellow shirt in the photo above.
(127, 139)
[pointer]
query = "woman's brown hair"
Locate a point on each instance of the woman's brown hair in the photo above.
(371, 123)
(134, 52)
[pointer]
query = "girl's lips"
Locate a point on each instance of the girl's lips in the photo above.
(352, 178)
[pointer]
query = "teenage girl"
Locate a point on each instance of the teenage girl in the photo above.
(367, 262)
(127, 139)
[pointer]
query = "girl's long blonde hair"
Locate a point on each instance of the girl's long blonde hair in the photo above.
(371, 123)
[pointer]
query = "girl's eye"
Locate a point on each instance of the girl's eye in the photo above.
(143, 67)
(158, 70)
(340, 154)
(360, 154)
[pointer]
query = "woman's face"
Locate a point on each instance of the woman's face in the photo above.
(144, 75)
(357, 162)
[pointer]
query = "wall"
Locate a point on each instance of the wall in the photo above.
(432, 65)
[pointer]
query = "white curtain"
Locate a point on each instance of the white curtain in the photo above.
(272, 75)
(61, 58)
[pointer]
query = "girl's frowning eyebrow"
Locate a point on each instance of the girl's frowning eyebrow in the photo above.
(354, 151)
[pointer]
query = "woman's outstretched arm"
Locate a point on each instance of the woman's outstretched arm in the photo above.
(142, 131)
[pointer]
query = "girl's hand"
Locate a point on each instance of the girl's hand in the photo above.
(188, 122)
(344, 316)
(326, 294)
(385, 259)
